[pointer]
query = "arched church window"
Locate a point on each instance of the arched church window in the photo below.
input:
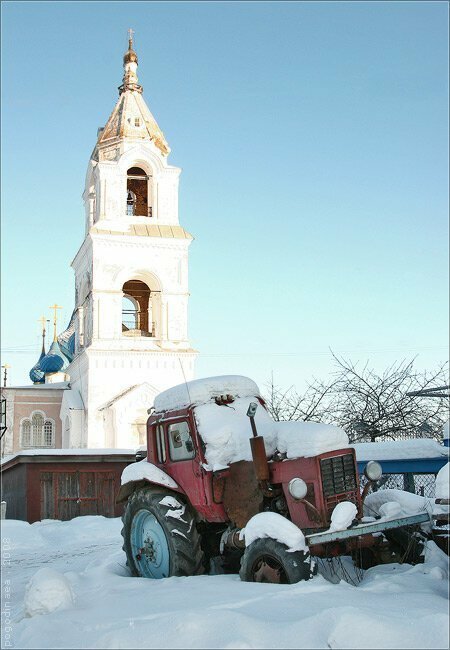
(26, 433)
(48, 434)
(138, 188)
(37, 425)
(37, 431)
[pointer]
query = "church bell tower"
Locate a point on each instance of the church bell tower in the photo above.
(131, 277)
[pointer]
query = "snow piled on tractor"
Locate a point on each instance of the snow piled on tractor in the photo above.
(342, 516)
(407, 502)
(226, 430)
(391, 503)
(274, 526)
(305, 439)
(145, 470)
(199, 391)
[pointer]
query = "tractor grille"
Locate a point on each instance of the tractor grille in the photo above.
(339, 478)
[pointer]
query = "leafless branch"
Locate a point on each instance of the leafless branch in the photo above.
(369, 406)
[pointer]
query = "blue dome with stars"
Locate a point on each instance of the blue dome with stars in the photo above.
(54, 360)
(36, 374)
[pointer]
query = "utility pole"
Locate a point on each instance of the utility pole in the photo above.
(5, 374)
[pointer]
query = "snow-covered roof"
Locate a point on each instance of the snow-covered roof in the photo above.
(146, 389)
(200, 391)
(68, 452)
(117, 397)
(400, 449)
(60, 385)
(122, 122)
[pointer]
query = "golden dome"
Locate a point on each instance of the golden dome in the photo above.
(130, 57)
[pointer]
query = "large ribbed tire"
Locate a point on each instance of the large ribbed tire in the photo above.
(160, 537)
(266, 560)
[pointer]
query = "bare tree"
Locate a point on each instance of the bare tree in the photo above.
(371, 406)
(367, 405)
(314, 404)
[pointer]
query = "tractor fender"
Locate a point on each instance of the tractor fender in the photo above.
(144, 473)
(128, 488)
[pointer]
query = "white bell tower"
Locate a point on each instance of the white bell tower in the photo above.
(131, 277)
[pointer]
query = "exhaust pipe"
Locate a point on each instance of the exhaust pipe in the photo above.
(258, 449)
(259, 458)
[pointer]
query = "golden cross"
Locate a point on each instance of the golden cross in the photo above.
(130, 38)
(54, 307)
(42, 320)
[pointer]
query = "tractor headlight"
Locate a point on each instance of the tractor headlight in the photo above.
(373, 470)
(297, 488)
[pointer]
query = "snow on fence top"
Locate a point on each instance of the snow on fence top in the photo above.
(203, 390)
(400, 449)
(226, 431)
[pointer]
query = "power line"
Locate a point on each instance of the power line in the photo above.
(32, 348)
(317, 352)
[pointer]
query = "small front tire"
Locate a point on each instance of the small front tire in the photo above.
(267, 560)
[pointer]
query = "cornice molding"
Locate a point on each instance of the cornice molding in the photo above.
(136, 241)
(169, 354)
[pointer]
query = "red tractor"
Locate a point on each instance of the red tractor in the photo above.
(217, 490)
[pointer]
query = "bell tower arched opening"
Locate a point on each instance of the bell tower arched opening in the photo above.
(139, 193)
(130, 313)
(139, 313)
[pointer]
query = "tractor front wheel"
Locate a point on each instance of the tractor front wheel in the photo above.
(160, 536)
(267, 560)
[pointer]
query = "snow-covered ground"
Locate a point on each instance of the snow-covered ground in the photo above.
(393, 606)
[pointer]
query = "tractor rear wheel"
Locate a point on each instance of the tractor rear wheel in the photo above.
(267, 560)
(160, 537)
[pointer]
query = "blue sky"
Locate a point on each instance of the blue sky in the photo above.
(313, 139)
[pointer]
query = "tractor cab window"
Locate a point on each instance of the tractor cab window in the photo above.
(160, 444)
(181, 445)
